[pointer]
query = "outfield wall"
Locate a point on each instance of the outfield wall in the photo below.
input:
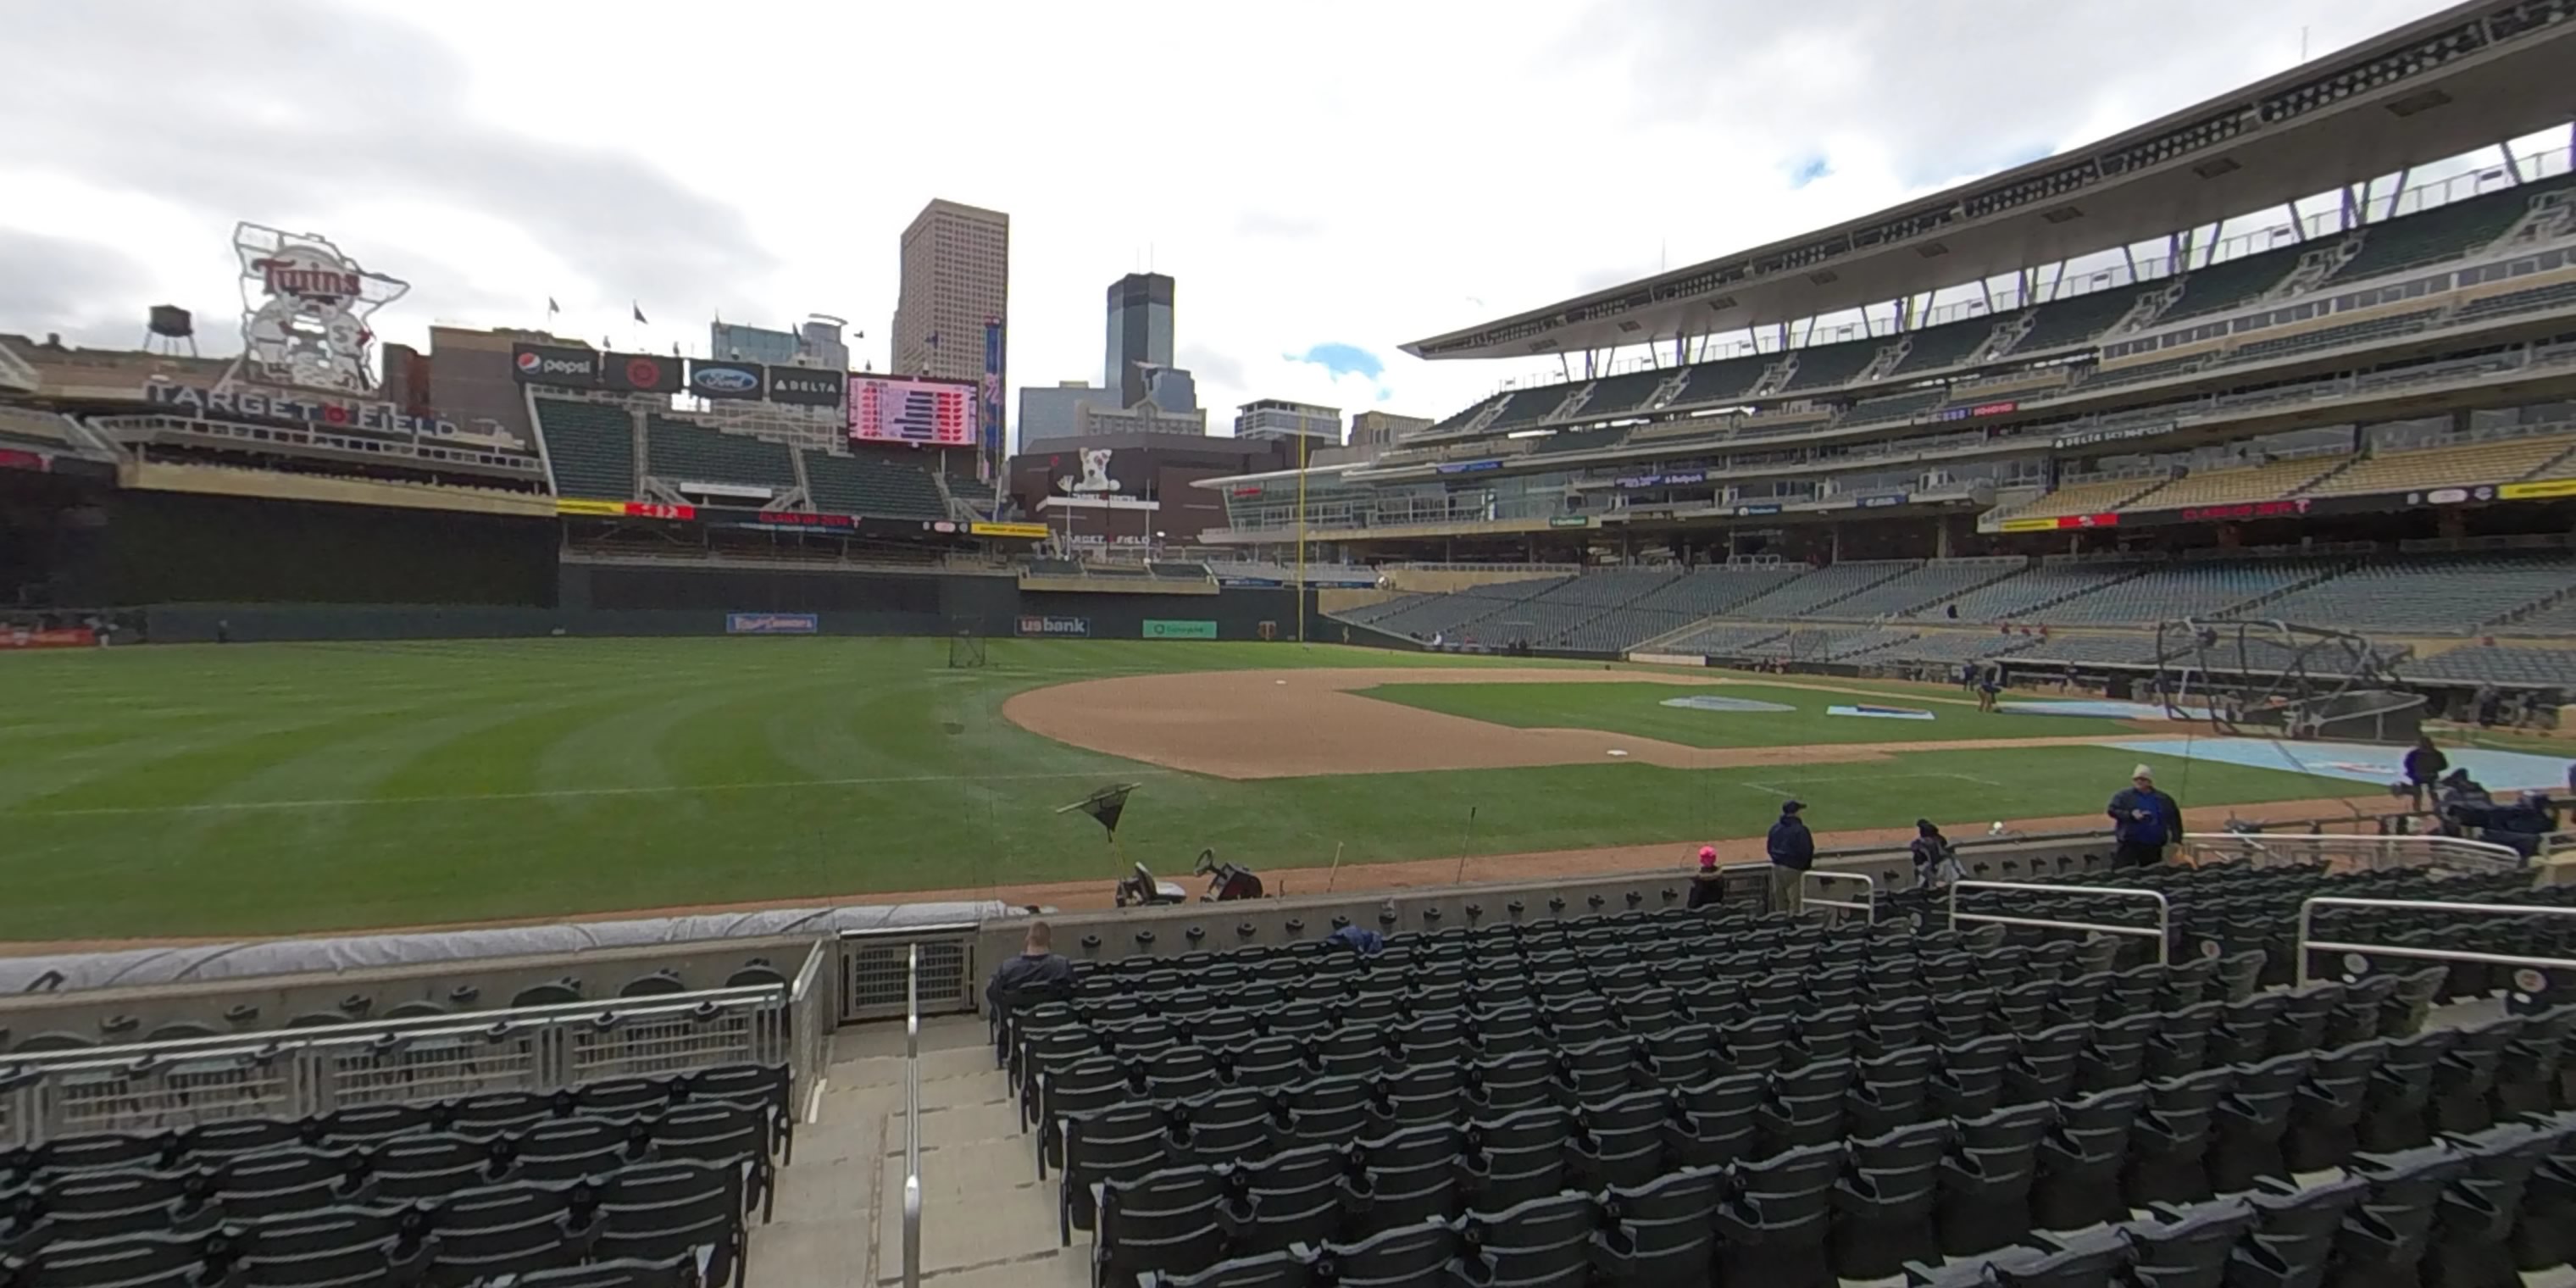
(678, 602)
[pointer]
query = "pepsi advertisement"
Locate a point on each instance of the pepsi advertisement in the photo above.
(555, 364)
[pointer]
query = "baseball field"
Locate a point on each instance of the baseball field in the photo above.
(215, 791)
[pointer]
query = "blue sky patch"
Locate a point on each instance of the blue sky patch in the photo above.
(1344, 359)
(1807, 169)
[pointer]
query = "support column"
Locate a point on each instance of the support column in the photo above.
(1941, 537)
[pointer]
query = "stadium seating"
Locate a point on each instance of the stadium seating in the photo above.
(592, 448)
(2232, 282)
(680, 451)
(2335, 336)
(2444, 232)
(1523, 407)
(1656, 1098)
(2132, 373)
(1896, 406)
(33, 428)
(1829, 366)
(848, 485)
(2014, 598)
(644, 1181)
(1624, 392)
(1946, 345)
(2077, 319)
(1829, 585)
(1728, 641)
(2167, 592)
(2088, 497)
(1577, 440)
(2429, 596)
(1723, 381)
(1921, 591)
(1959, 646)
(2554, 296)
(2483, 664)
(2464, 465)
(1722, 588)
(2265, 482)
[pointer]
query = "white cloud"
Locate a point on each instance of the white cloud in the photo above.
(1339, 171)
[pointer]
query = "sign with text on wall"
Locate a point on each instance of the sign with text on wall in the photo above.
(1162, 629)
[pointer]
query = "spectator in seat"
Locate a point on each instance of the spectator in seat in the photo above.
(2143, 821)
(1037, 966)
(1936, 862)
(2424, 766)
(1706, 886)
(1792, 849)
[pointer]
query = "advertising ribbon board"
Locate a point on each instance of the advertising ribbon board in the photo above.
(1020, 531)
(772, 623)
(1160, 629)
(1038, 624)
(16, 637)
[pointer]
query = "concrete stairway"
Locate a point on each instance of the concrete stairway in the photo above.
(987, 1220)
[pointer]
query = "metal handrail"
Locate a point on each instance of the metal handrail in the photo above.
(359, 1032)
(2307, 916)
(2417, 850)
(912, 1118)
(2162, 930)
(1868, 905)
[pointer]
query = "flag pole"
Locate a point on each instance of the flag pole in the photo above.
(1300, 587)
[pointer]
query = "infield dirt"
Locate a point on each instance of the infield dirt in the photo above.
(1292, 724)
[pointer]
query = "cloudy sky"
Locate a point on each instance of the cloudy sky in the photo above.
(1324, 180)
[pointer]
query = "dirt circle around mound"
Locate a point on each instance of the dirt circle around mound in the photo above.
(1303, 723)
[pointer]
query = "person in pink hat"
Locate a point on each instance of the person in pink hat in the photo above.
(1705, 885)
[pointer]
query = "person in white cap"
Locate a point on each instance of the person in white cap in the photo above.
(2144, 821)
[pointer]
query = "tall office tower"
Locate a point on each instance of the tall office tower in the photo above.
(956, 278)
(1140, 335)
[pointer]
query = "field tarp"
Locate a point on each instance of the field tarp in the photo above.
(206, 963)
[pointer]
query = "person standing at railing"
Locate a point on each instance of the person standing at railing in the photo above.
(1793, 850)
(2144, 821)
(2424, 766)
(1707, 888)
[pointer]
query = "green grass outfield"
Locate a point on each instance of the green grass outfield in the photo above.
(267, 788)
(1639, 709)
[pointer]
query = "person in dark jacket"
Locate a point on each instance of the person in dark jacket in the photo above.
(1793, 850)
(1936, 864)
(2144, 821)
(1706, 886)
(1037, 966)
(2424, 766)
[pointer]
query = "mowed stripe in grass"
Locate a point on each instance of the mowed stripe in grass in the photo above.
(282, 788)
(1638, 708)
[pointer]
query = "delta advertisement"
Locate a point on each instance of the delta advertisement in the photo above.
(772, 623)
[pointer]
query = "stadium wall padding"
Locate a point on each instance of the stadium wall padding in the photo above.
(696, 601)
(167, 547)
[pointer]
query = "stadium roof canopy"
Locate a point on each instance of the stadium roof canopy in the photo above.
(2471, 76)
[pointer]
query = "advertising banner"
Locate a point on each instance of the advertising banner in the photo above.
(991, 390)
(728, 379)
(772, 623)
(2537, 490)
(13, 459)
(1034, 624)
(1159, 629)
(808, 387)
(625, 509)
(1570, 521)
(14, 637)
(641, 373)
(1017, 531)
(554, 364)
(2060, 522)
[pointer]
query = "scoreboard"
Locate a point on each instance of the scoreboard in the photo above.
(926, 413)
